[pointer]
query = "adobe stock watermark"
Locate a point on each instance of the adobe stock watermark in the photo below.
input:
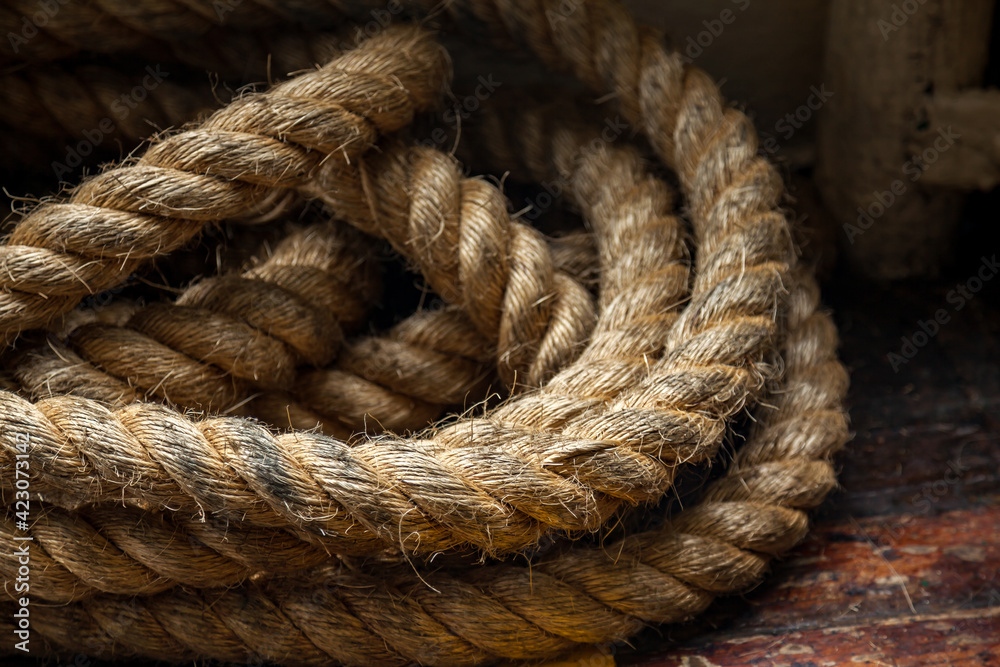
(696, 44)
(22, 541)
(462, 109)
(224, 7)
(380, 20)
(930, 493)
(613, 128)
(794, 121)
(562, 12)
(30, 25)
(121, 108)
(898, 17)
(914, 168)
(928, 329)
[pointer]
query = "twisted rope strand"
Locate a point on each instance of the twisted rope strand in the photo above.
(397, 382)
(458, 233)
(721, 545)
(223, 334)
(259, 327)
(725, 285)
(236, 164)
(395, 488)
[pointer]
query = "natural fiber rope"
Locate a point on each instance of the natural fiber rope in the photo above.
(721, 545)
(657, 483)
(538, 499)
(411, 498)
(223, 335)
(716, 359)
(457, 232)
(399, 382)
(241, 162)
(48, 110)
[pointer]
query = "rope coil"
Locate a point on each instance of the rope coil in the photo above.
(608, 403)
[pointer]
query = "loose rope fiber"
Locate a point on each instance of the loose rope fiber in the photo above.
(183, 536)
(721, 545)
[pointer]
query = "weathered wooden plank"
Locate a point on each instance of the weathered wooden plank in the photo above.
(854, 581)
(883, 58)
(967, 638)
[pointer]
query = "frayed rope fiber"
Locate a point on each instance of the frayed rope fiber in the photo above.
(233, 534)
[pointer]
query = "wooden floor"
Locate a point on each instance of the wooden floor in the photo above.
(902, 565)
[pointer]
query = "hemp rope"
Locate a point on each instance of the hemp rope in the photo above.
(223, 335)
(379, 382)
(405, 379)
(64, 533)
(457, 232)
(279, 465)
(446, 645)
(721, 545)
(240, 163)
(58, 103)
(500, 272)
(572, 512)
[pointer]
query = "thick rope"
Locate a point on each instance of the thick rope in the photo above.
(223, 335)
(721, 545)
(406, 379)
(715, 359)
(395, 488)
(726, 153)
(242, 162)
(58, 114)
(568, 509)
(398, 382)
(457, 232)
(226, 335)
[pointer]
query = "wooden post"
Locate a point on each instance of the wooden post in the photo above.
(881, 153)
(974, 163)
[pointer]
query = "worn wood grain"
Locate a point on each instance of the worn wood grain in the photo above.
(975, 160)
(903, 564)
(883, 58)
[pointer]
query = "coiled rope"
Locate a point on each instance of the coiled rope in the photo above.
(656, 382)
